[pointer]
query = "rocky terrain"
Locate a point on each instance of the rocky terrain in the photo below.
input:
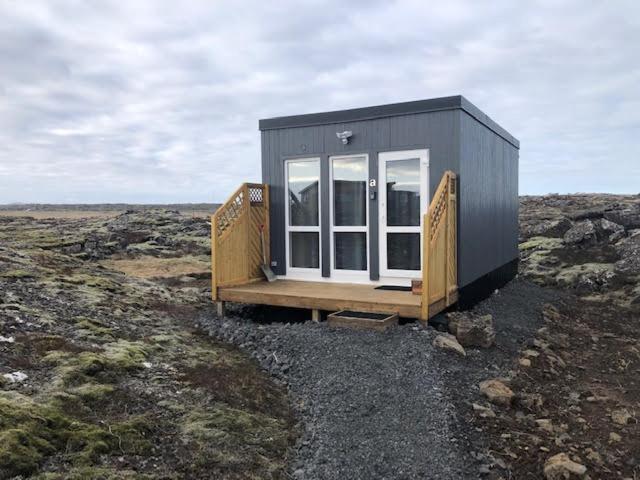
(588, 244)
(112, 364)
(102, 373)
(569, 402)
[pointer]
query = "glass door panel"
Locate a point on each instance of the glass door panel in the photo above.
(403, 201)
(349, 210)
(303, 216)
(403, 192)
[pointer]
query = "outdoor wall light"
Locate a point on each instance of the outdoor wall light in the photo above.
(344, 136)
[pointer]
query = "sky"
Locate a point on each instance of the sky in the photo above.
(158, 101)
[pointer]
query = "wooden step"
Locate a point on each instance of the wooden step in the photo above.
(362, 320)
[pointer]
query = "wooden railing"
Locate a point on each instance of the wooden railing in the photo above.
(439, 256)
(236, 249)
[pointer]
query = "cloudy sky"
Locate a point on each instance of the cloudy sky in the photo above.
(114, 101)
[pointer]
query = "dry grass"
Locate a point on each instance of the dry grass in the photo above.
(153, 267)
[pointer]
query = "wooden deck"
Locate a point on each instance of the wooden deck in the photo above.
(237, 256)
(324, 296)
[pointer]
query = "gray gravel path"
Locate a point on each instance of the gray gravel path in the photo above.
(380, 405)
(372, 405)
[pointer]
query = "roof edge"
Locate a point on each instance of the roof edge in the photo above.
(389, 110)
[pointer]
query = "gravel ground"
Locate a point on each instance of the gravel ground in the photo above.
(382, 405)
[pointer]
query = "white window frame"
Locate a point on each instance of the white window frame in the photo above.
(343, 274)
(383, 158)
(298, 272)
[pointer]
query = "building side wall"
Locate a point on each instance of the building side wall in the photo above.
(436, 131)
(488, 201)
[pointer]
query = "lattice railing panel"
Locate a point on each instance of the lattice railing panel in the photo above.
(439, 269)
(438, 212)
(256, 194)
(236, 246)
(228, 213)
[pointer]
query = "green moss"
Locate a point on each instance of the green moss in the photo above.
(222, 436)
(133, 435)
(125, 355)
(94, 281)
(30, 431)
(570, 276)
(544, 243)
(92, 391)
(21, 451)
(93, 328)
(165, 339)
(17, 274)
(96, 473)
(117, 358)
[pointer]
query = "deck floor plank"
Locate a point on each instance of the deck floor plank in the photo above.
(324, 296)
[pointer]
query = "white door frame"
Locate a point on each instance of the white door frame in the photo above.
(297, 272)
(342, 274)
(383, 158)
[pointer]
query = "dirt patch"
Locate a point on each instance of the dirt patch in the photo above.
(237, 385)
(579, 395)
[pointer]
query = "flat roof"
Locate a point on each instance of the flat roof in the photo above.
(389, 110)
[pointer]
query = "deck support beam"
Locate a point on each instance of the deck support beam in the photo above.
(220, 309)
(315, 315)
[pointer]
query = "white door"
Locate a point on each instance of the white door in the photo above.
(302, 218)
(404, 198)
(349, 217)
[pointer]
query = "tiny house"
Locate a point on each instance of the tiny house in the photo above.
(357, 206)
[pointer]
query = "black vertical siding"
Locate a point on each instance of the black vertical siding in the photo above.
(325, 234)
(436, 131)
(488, 201)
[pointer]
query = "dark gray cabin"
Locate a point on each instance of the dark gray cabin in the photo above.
(336, 169)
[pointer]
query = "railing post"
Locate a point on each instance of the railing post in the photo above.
(246, 207)
(446, 240)
(214, 263)
(267, 223)
(453, 209)
(426, 241)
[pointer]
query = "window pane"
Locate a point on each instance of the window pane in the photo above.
(304, 179)
(403, 192)
(350, 191)
(305, 249)
(403, 251)
(350, 250)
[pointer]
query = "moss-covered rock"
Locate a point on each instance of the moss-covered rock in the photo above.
(544, 243)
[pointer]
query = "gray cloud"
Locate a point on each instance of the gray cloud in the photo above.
(159, 101)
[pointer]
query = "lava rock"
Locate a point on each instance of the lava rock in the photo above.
(583, 232)
(446, 341)
(608, 229)
(561, 467)
(628, 217)
(549, 228)
(476, 331)
(629, 251)
(497, 392)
